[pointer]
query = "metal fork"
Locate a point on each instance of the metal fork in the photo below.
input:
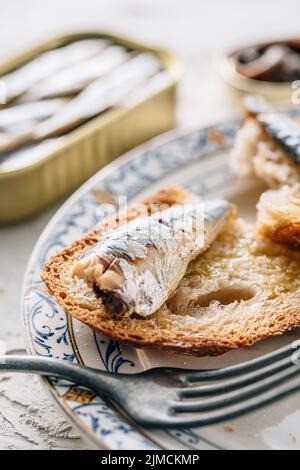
(169, 397)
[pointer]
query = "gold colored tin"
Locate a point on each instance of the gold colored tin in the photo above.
(81, 153)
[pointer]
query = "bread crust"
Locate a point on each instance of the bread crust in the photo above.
(166, 330)
(279, 216)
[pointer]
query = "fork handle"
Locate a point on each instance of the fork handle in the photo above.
(100, 381)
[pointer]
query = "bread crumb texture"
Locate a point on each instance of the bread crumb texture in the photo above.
(240, 291)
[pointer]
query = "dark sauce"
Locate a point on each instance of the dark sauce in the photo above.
(274, 62)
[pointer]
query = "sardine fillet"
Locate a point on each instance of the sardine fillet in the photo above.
(238, 292)
(136, 267)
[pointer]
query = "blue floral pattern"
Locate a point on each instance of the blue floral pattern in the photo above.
(111, 354)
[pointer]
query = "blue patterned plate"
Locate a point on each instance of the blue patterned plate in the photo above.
(198, 161)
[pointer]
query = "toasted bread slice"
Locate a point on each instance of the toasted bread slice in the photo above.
(279, 216)
(238, 292)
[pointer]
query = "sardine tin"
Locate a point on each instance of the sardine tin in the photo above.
(30, 188)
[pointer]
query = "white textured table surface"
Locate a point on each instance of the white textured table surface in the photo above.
(190, 28)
